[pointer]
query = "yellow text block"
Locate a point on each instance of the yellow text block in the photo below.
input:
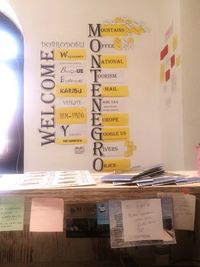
(71, 90)
(113, 61)
(69, 115)
(116, 164)
(114, 119)
(113, 30)
(115, 134)
(71, 141)
(70, 54)
(114, 91)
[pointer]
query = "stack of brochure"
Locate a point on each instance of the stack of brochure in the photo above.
(154, 176)
(46, 179)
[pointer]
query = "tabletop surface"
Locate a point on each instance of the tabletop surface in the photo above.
(105, 191)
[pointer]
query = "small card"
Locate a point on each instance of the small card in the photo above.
(102, 213)
(47, 215)
(11, 213)
(184, 210)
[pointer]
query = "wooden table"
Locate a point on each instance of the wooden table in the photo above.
(25, 249)
(105, 191)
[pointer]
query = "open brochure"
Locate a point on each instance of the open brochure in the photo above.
(46, 179)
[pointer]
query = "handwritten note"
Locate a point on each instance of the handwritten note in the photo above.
(142, 219)
(11, 213)
(47, 215)
(184, 210)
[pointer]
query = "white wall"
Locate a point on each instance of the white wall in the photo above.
(190, 41)
(171, 91)
(65, 20)
(180, 109)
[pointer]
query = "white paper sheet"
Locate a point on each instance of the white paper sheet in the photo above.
(142, 219)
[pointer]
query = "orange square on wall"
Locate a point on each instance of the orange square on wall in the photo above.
(167, 75)
(172, 61)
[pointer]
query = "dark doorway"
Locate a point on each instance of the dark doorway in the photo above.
(11, 97)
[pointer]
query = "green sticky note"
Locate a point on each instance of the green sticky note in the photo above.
(11, 213)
